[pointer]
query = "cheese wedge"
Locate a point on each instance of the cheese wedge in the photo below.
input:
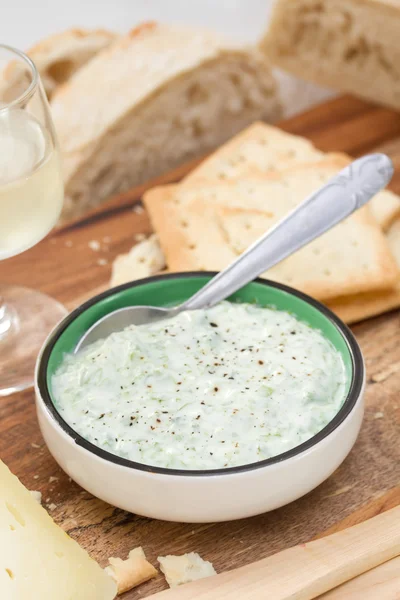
(38, 560)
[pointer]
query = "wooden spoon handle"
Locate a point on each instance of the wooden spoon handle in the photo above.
(381, 583)
(305, 571)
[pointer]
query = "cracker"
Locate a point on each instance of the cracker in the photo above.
(362, 306)
(130, 572)
(266, 149)
(260, 147)
(358, 307)
(184, 569)
(143, 260)
(198, 228)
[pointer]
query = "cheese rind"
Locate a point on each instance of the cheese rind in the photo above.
(38, 560)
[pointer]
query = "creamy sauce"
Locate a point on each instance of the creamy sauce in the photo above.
(227, 386)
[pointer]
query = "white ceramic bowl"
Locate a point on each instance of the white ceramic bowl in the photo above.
(197, 496)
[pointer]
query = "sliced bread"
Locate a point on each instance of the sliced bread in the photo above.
(155, 98)
(350, 45)
(59, 56)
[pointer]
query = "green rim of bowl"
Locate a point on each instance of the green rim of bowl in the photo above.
(172, 289)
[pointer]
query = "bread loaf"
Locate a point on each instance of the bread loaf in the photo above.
(155, 98)
(350, 45)
(59, 56)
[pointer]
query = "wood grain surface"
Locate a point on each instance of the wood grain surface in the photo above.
(65, 266)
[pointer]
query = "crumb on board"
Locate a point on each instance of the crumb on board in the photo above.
(35, 445)
(139, 237)
(185, 568)
(340, 491)
(131, 572)
(36, 477)
(378, 415)
(51, 506)
(94, 245)
(138, 209)
(385, 373)
(52, 479)
(102, 262)
(37, 495)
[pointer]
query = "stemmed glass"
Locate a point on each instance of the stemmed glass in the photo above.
(31, 197)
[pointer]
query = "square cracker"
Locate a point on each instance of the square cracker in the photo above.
(259, 147)
(362, 306)
(206, 228)
(266, 149)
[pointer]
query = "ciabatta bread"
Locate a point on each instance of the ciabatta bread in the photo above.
(59, 56)
(350, 45)
(155, 98)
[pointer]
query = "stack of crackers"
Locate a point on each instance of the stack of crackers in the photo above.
(249, 184)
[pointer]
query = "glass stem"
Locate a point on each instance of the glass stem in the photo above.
(7, 319)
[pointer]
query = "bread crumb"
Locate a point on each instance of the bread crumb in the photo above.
(340, 491)
(51, 479)
(143, 260)
(35, 445)
(37, 496)
(102, 262)
(138, 209)
(386, 373)
(184, 569)
(130, 572)
(378, 415)
(52, 506)
(36, 477)
(94, 245)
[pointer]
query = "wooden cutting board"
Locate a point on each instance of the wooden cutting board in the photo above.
(67, 266)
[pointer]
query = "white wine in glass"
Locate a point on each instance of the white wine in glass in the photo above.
(31, 197)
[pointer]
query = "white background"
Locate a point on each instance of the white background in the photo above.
(24, 22)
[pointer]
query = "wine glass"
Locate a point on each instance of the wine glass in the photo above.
(31, 197)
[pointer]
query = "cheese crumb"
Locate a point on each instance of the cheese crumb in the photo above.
(51, 479)
(130, 572)
(184, 569)
(102, 262)
(36, 477)
(37, 496)
(378, 415)
(138, 209)
(52, 506)
(35, 445)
